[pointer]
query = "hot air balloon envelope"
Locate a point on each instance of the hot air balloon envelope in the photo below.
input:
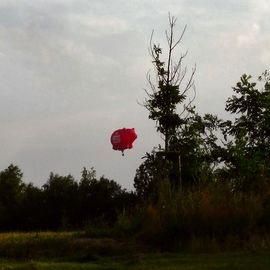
(122, 139)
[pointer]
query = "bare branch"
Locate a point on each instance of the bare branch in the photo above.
(167, 37)
(180, 39)
(190, 82)
(177, 70)
(170, 43)
(152, 86)
(189, 104)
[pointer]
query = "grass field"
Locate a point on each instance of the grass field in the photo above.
(72, 251)
(229, 261)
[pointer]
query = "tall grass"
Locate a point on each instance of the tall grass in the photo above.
(72, 246)
(206, 217)
(34, 244)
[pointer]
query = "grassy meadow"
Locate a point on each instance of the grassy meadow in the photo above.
(73, 250)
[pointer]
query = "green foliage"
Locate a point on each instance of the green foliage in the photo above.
(248, 136)
(145, 180)
(196, 141)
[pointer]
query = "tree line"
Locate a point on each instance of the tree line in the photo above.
(61, 203)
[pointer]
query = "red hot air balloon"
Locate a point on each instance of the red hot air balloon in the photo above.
(122, 139)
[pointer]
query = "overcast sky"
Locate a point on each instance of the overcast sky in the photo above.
(73, 71)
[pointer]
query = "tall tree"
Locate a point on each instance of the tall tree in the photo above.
(171, 86)
(248, 136)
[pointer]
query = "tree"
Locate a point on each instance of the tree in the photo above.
(10, 196)
(167, 93)
(197, 141)
(32, 209)
(248, 136)
(98, 198)
(145, 178)
(60, 194)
